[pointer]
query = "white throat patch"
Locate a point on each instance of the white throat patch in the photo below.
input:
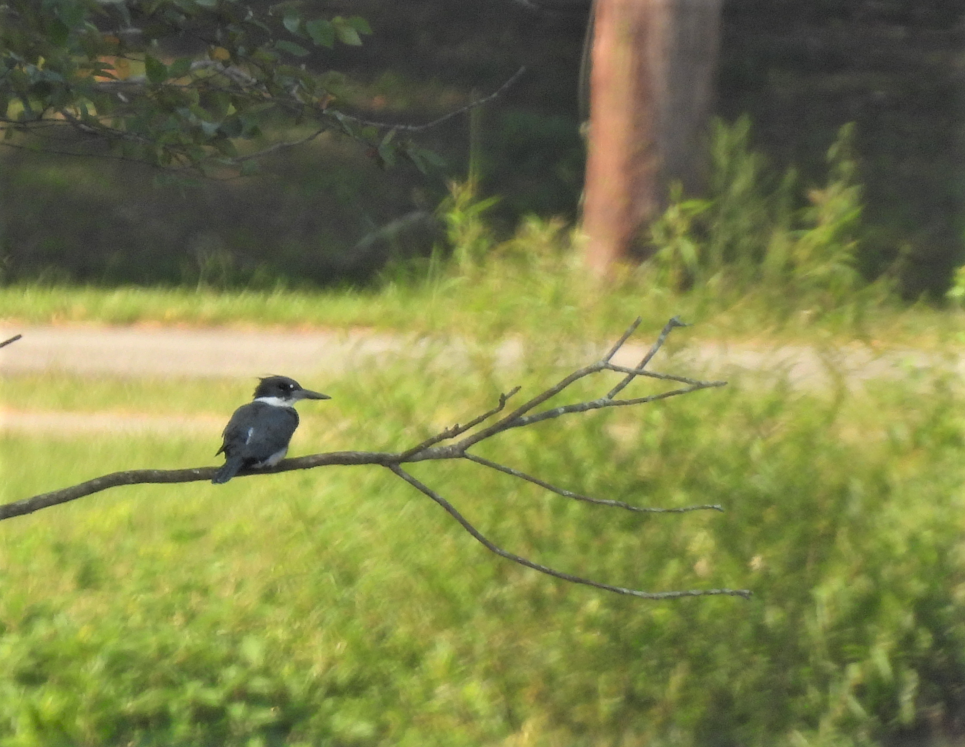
(276, 401)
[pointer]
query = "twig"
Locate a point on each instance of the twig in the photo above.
(664, 334)
(432, 449)
(603, 402)
(445, 117)
(12, 339)
(585, 498)
(424, 489)
(458, 430)
(654, 375)
(623, 338)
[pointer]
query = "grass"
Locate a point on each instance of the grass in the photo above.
(500, 302)
(338, 606)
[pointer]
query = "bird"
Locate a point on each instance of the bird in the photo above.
(258, 433)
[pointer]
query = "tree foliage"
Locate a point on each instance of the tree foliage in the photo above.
(178, 84)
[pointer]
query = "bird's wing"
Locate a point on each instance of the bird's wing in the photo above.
(272, 427)
(232, 437)
(235, 436)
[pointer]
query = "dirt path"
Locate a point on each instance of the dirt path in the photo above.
(164, 352)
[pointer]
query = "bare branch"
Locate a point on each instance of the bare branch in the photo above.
(425, 490)
(620, 343)
(431, 450)
(503, 423)
(458, 430)
(603, 402)
(445, 117)
(654, 375)
(587, 499)
(664, 334)
(11, 340)
(163, 477)
(516, 417)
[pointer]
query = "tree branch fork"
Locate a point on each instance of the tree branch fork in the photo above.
(454, 443)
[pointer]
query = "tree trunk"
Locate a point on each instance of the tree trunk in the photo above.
(651, 92)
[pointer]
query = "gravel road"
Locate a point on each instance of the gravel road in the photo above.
(163, 352)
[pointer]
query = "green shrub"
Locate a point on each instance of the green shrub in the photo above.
(749, 232)
(339, 607)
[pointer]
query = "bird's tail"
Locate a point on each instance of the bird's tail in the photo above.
(229, 470)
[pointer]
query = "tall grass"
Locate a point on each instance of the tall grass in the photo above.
(340, 607)
(753, 232)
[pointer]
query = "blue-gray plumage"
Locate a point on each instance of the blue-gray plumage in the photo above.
(258, 433)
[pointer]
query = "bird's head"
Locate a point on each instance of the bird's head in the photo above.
(283, 391)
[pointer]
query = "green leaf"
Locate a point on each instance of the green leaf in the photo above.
(258, 24)
(347, 35)
(416, 160)
(231, 127)
(157, 71)
(292, 21)
(225, 147)
(180, 67)
(291, 48)
(267, 56)
(422, 158)
(360, 24)
(72, 14)
(386, 155)
(219, 103)
(58, 32)
(431, 157)
(321, 31)
(347, 126)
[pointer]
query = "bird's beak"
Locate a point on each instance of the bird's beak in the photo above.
(309, 394)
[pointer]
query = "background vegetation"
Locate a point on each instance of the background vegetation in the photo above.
(799, 70)
(338, 607)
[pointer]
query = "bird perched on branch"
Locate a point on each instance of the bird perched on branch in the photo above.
(258, 433)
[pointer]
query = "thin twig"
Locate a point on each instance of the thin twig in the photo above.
(516, 415)
(12, 339)
(655, 375)
(619, 343)
(458, 430)
(603, 403)
(585, 498)
(478, 536)
(536, 401)
(445, 117)
(664, 334)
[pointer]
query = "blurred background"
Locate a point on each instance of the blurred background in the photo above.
(819, 262)
(798, 70)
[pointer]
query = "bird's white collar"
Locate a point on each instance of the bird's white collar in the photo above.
(276, 401)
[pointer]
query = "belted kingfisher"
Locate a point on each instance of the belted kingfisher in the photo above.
(258, 433)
